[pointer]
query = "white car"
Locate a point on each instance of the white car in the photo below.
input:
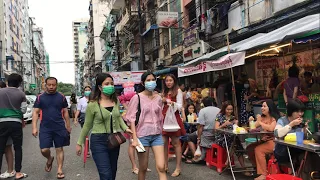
(28, 115)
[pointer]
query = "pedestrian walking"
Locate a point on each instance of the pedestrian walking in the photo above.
(147, 127)
(104, 119)
(172, 95)
(55, 124)
(81, 109)
(12, 107)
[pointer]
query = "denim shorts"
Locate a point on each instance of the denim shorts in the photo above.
(152, 140)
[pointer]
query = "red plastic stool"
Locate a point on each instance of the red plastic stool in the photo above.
(274, 168)
(217, 156)
(171, 152)
(282, 177)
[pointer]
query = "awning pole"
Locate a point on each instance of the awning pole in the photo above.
(234, 96)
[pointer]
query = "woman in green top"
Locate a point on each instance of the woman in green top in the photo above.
(104, 99)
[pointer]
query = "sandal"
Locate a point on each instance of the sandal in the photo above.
(176, 173)
(135, 171)
(49, 165)
(60, 175)
(24, 175)
(184, 157)
(6, 175)
(248, 174)
(192, 161)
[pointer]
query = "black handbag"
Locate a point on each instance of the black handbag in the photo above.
(138, 112)
(114, 139)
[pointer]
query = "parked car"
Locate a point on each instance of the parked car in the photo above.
(28, 115)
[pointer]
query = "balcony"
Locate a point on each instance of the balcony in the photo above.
(117, 5)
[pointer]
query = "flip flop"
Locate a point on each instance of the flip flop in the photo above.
(22, 177)
(49, 165)
(60, 176)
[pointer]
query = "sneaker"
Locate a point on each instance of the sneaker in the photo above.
(7, 175)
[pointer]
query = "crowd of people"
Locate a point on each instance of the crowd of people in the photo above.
(198, 113)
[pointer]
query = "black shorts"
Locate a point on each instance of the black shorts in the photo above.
(55, 139)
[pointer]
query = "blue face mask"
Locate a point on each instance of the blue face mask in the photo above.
(150, 85)
(87, 93)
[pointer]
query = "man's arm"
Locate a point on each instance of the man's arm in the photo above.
(67, 118)
(35, 117)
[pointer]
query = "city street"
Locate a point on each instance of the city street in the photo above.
(34, 163)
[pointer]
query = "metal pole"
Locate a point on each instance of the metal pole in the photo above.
(118, 51)
(141, 66)
(233, 86)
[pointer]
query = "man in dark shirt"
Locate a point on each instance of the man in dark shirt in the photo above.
(54, 126)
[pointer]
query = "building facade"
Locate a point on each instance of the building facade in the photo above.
(80, 37)
(17, 49)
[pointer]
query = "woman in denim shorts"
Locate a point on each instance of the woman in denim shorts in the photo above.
(149, 128)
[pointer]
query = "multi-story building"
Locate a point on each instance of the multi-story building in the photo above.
(80, 37)
(95, 50)
(17, 43)
(39, 56)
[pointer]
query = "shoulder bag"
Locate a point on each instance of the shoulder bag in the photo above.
(114, 139)
(138, 112)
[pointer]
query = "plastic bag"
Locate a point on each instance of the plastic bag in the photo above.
(198, 152)
(170, 122)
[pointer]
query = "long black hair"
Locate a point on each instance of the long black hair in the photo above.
(97, 92)
(143, 79)
(175, 87)
(187, 109)
(273, 110)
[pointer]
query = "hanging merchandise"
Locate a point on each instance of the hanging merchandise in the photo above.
(203, 22)
(170, 122)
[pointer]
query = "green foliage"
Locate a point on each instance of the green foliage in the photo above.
(65, 88)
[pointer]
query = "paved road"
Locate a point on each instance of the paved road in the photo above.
(33, 164)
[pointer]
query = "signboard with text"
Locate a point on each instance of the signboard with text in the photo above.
(195, 51)
(167, 19)
(124, 77)
(225, 62)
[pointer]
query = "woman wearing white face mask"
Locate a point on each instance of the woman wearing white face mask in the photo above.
(149, 128)
(82, 106)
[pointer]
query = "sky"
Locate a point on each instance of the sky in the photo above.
(55, 17)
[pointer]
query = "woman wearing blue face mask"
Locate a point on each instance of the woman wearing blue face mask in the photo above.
(149, 128)
(82, 106)
(103, 118)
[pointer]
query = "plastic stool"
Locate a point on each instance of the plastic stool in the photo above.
(282, 177)
(274, 167)
(171, 151)
(217, 156)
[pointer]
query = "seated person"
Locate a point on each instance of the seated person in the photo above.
(225, 120)
(291, 123)
(257, 151)
(204, 136)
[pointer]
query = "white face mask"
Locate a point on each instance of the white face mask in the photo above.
(246, 86)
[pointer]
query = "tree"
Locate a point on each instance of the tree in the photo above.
(65, 88)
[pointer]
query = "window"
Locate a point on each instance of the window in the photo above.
(12, 43)
(10, 22)
(18, 33)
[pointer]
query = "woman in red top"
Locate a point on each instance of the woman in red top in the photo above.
(172, 95)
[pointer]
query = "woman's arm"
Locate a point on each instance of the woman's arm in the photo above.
(88, 124)
(183, 115)
(268, 127)
(285, 97)
(295, 92)
(178, 104)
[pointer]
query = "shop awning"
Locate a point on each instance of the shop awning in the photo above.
(153, 26)
(288, 32)
(305, 39)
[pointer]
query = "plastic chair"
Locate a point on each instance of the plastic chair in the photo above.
(274, 167)
(282, 177)
(217, 156)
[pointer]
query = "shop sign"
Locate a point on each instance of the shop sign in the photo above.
(225, 62)
(194, 51)
(167, 19)
(124, 77)
(190, 35)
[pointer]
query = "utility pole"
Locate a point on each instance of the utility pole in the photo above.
(141, 65)
(118, 51)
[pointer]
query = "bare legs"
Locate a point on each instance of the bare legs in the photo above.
(131, 153)
(178, 151)
(158, 152)
(9, 158)
(60, 158)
